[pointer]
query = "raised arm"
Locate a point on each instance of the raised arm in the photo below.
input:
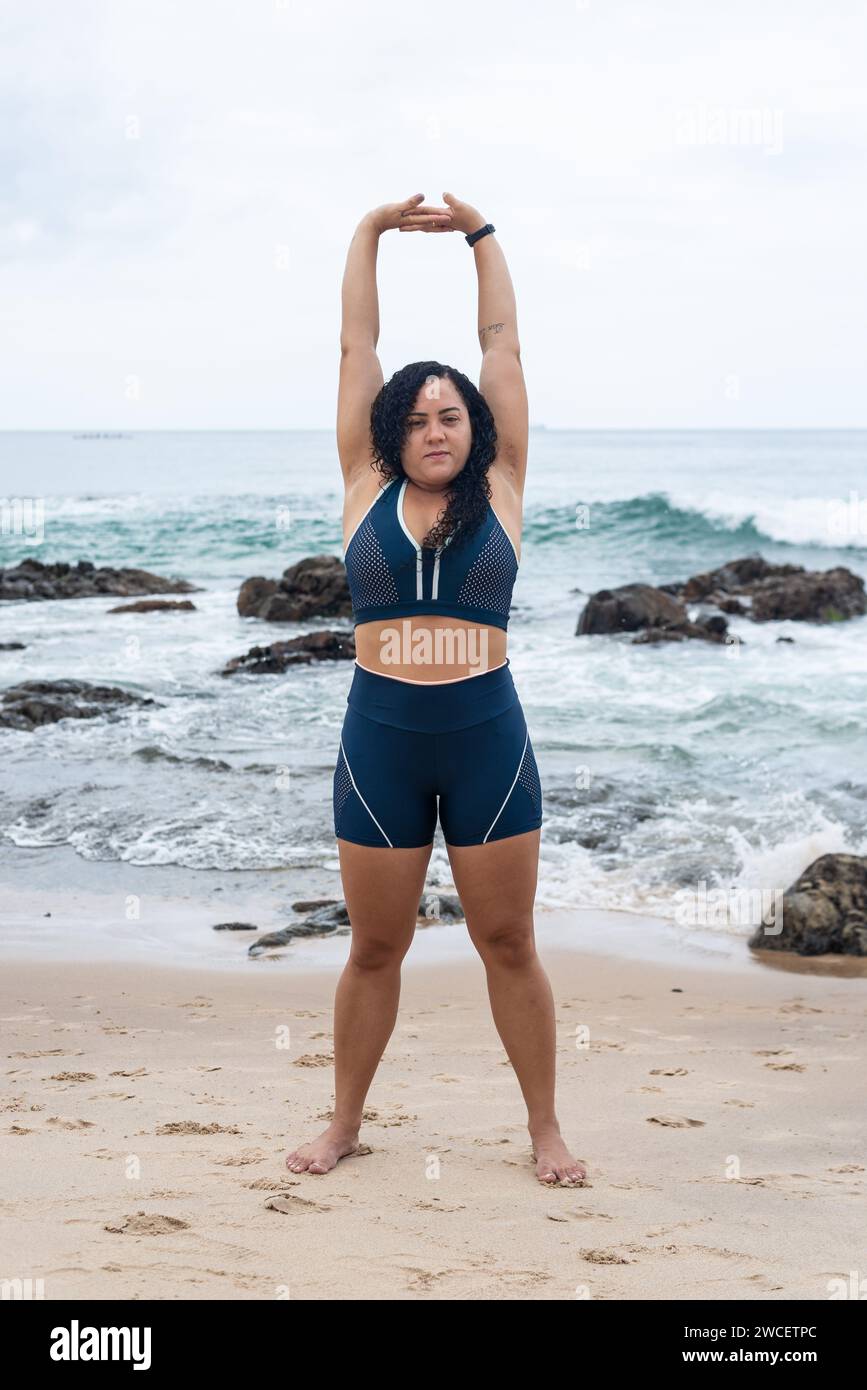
(501, 379)
(360, 371)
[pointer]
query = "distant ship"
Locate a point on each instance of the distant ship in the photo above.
(102, 434)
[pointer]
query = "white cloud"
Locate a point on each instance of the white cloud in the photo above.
(179, 184)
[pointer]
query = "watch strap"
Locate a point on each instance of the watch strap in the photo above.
(473, 237)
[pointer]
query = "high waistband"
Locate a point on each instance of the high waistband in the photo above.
(432, 709)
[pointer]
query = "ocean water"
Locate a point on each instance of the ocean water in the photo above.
(662, 767)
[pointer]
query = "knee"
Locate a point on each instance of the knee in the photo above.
(509, 943)
(377, 953)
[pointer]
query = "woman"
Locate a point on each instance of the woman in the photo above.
(432, 526)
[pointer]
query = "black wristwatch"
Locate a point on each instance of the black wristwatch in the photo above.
(473, 237)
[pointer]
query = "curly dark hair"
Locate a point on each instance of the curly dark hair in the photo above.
(389, 426)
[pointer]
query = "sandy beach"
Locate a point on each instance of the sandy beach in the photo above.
(720, 1111)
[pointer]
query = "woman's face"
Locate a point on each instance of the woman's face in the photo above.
(439, 435)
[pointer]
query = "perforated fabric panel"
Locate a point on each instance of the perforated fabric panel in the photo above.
(342, 787)
(370, 579)
(529, 776)
(491, 577)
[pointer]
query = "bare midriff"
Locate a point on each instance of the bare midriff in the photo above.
(429, 648)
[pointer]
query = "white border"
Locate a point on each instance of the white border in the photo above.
(509, 792)
(505, 533)
(406, 530)
(419, 579)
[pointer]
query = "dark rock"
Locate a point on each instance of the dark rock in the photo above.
(297, 651)
(653, 613)
(315, 587)
(733, 577)
(786, 639)
(313, 904)
(286, 935)
(770, 593)
(333, 914)
(156, 605)
(332, 919)
(702, 631)
(252, 595)
(236, 926)
(749, 587)
(12, 646)
(33, 703)
(825, 910)
(33, 580)
(628, 609)
(828, 597)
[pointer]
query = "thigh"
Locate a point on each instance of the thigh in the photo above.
(383, 889)
(488, 781)
(384, 790)
(496, 884)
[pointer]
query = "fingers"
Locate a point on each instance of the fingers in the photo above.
(425, 210)
(426, 223)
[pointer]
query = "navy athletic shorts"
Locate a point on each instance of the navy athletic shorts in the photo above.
(408, 751)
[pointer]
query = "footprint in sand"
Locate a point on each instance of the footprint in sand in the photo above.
(193, 1127)
(60, 1123)
(674, 1121)
(291, 1205)
(143, 1223)
(73, 1076)
(50, 1052)
(669, 1071)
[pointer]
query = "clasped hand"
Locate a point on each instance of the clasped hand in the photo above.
(414, 215)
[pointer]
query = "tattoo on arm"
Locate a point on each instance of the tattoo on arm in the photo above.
(491, 328)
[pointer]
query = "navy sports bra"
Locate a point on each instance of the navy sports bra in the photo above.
(392, 576)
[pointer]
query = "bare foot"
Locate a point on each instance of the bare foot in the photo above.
(554, 1162)
(324, 1152)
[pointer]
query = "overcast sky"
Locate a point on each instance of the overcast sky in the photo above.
(679, 189)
